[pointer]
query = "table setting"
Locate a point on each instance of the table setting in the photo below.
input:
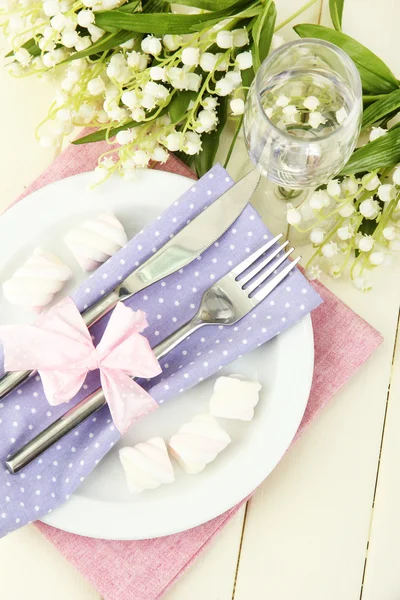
(167, 282)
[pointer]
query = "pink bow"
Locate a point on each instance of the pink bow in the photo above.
(60, 348)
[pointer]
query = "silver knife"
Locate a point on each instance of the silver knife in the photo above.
(178, 252)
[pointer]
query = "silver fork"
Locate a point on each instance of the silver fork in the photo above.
(224, 303)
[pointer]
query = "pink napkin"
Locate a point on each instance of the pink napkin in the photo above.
(126, 570)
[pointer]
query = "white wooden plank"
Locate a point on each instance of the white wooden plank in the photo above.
(23, 105)
(382, 576)
(31, 568)
(212, 576)
(307, 528)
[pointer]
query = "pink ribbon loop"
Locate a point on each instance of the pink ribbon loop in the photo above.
(60, 348)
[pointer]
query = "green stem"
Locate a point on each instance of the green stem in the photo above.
(228, 156)
(372, 98)
(296, 14)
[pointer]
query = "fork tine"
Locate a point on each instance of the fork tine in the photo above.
(247, 262)
(271, 285)
(265, 274)
(261, 265)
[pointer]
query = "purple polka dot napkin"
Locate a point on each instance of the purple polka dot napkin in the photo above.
(168, 304)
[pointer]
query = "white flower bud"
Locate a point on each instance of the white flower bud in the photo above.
(95, 33)
(234, 77)
(389, 233)
(191, 143)
(370, 182)
(137, 60)
(124, 137)
(51, 8)
(396, 176)
(240, 37)
(96, 86)
(207, 120)
(69, 38)
(317, 236)
(157, 73)
(148, 102)
(193, 82)
(341, 115)
(207, 61)
(102, 116)
(237, 106)
(190, 56)
(349, 186)
(333, 188)
(130, 99)
(365, 243)
(85, 18)
(174, 141)
(23, 57)
(330, 250)
(244, 60)
(313, 272)
(48, 60)
(369, 208)
(159, 154)
(362, 283)
(311, 102)
(335, 271)
(151, 45)
(282, 100)
(293, 216)
(394, 245)
(172, 42)
(210, 103)
(225, 39)
(83, 43)
(376, 258)
(315, 119)
(58, 22)
(319, 200)
(224, 87)
(376, 133)
(290, 110)
(63, 115)
(345, 233)
(138, 114)
(141, 158)
(128, 45)
(386, 192)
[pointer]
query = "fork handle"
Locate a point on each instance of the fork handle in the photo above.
(11, 380)
(86, 407)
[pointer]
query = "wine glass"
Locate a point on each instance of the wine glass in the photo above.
(303, 116)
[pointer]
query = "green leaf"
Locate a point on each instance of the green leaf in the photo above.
(376, 77)
(263, 30)
(162, 23)
(31, 46)
(368, 226)
(205, 4)
(210, 141)
(108, 41)
(381, 108)
(336, 11)
(178, 106)
(383, 152)
(187, 159)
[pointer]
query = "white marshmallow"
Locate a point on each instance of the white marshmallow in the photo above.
(146, 465)
(198, 442)
(234, 398)
(93, 242)
(34, 284)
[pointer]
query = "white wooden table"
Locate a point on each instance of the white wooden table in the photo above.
(326, 523)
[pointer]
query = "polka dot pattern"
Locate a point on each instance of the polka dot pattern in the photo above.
(51, 479)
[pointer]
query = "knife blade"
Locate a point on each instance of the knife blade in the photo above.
(177, 253)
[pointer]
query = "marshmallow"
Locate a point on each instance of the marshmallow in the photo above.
(34, 285)
(147, 465)
(93, 242)
(234, 398)
(198, 442)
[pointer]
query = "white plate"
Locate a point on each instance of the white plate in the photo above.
(102, 507)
